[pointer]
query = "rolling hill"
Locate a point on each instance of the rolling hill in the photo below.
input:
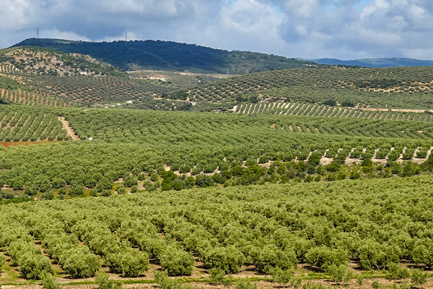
(166, 55)
(32, 75)
(42, 76)
(403, 87)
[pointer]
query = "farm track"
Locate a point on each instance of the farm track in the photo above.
(69, 131)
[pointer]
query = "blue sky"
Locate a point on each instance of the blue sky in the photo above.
(361, 5)
(345, 29)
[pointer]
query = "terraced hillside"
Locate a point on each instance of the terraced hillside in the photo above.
(409, 88)
(37, 76)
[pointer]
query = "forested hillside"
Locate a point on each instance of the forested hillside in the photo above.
(166, 55)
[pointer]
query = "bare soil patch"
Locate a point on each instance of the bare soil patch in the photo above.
(69, 131)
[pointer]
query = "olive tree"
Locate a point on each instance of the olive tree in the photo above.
(80, 263)
(230, 259)
(271, 257)
(129, 263)
(176, 262)
(324, 257)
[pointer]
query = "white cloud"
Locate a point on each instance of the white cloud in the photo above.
(14, 15)
(418, 53)
(128, 34)
(246, 24)
(294, 28)
(55, 33)
(302, 8)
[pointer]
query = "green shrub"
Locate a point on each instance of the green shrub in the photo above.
(228, 259)
(271, 257)
(2, 262)
(370, 254)
(104, 282)
(396, 271)
(176, 262)
(130, 181)
(217, 276)
(282, 276)
(418, 277)
(128, 263)
(376, 284)
(153, 246)
(245, 284)
(360, 280)
(48, 282)
(133, 189)
(33, 266)
(423, 252)
(323, 257)
(80, 263)
(161, 278)
(339, 273)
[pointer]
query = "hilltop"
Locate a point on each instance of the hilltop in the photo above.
(167, 55)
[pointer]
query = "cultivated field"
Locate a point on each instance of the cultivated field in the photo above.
(314, 230)
(309, 177)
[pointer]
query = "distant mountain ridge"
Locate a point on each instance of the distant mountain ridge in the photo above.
(166, 55)
(376, 62)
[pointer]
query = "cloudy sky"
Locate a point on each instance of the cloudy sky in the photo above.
(345, 29)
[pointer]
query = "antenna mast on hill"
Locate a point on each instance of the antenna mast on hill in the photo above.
(126, 36)
(37, 32)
